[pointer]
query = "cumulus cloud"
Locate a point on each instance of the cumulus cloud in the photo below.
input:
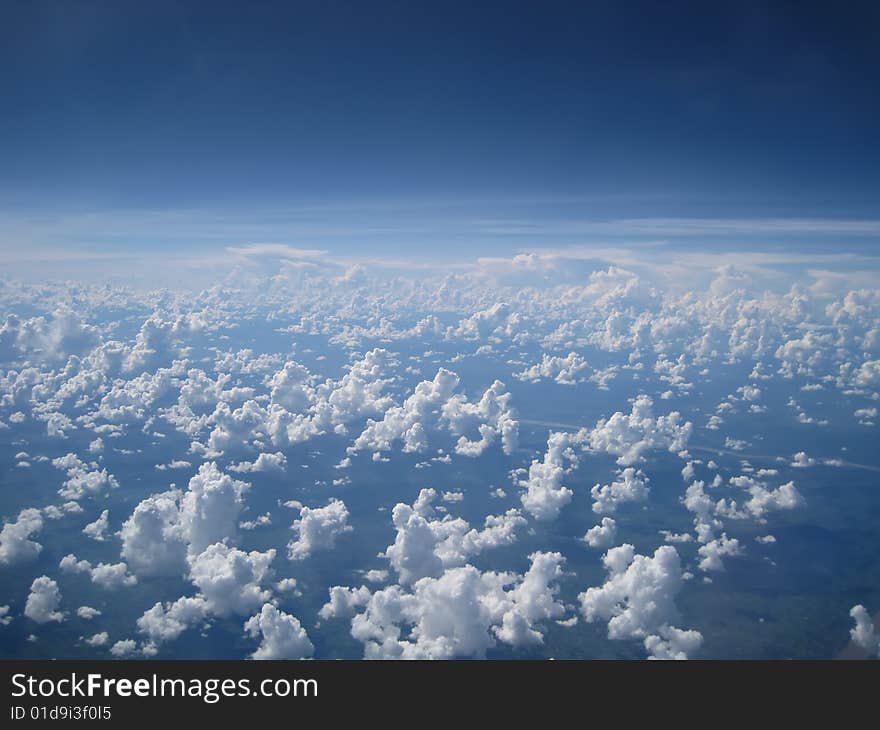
(603, 534)
(434, 405)
(166, 527)
(106, 575)
(230, 579)
(97, 529)
(630, 436)
(43, 601)
(15, 545)
(276, 462)
(99, 639)
(461, 613)
(863, 633)
(638, 600)
(318, 528)
(83, 480)
(545, 494)
(152, 537)
(564, 370)
(631, 485)
(165, 622)
(282, 635)
(426, 545)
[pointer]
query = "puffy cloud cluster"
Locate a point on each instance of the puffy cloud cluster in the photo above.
(165, 622)
(461, 613)
(425, 545)
(230, 579)
(15, 543)
(545, 494)
(109, 576)
(282, 635)
(709, 514)
(630, 485)
(83, 480)
(630, 436)
(318, 528)
(638, 601)
(166, 527)
(43, 601)
(160, 362)
(37, 338)
(434, 405)
(863, 633)
(602, 535)
(230, 583)
(564, 370)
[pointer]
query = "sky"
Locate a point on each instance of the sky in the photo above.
(419, 128)
(456, 330)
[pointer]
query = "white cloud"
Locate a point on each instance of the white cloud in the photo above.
(165, 622)
(152, 537)
(712, 552)
(318, 528)
(15, 545)
(545, 494)
(631, 485)
(106, 575)
(283, 637)
(83, 480)
(97, 529)
(864, 633)
(276, 462)
(99, 639)
(461, 613)
(43, 601)
(230, 579)
(564, 370)
(603, 534)
(433, 405)
(630, 436)
(426, 545)
(638, 599)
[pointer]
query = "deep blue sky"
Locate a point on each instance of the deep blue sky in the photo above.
(610, 109)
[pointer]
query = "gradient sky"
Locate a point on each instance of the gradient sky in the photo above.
(396, 125)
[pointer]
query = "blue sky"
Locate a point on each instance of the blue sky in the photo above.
(403, 127)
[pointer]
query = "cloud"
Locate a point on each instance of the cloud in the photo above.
(461, 613)
(99, 639)
(165, 622)
(15, 545)
(97, 529)
(545, 494)
(630, 436)
(318, 528)
(434, 405)
(82, 480)
(564, 370)
(230, 579)
(283, 637)
(43, 601)
(105, 575)
(638, 600)
(426, 545)
(153, 540)
(863, 633)
(276, 462)
(603, 534)
(631, 485)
